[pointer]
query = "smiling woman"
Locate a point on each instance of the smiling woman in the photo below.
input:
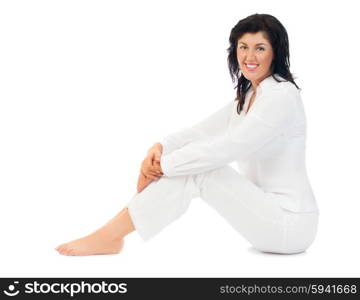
(255, 57)
(270, 202)
(259, 47)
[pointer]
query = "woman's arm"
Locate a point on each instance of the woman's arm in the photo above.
(213, 125)
(266, 120)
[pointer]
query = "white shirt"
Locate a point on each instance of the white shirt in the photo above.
(268, 143)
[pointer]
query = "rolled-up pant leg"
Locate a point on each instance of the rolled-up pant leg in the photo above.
(256, 215)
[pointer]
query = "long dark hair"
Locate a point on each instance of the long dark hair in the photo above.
(277, 35)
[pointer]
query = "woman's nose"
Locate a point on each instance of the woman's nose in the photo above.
(250, 56)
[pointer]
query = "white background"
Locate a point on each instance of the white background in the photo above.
(86, 87)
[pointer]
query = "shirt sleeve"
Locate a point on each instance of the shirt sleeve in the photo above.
(269, 116)
(212, 125)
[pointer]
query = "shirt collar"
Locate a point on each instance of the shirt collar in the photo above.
(269, 82)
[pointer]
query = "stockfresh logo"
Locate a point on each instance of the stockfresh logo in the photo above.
(12, 290)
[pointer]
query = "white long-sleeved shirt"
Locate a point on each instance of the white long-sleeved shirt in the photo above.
(268, 143)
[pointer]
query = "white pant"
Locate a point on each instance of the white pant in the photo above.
(256, 215)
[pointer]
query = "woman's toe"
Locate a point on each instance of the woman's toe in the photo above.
(60, 247)
(68, 251)
(63, 249)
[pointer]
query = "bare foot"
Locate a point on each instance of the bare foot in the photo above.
(96, 243)
(109, 239)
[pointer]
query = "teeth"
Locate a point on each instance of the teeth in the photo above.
(252, 66)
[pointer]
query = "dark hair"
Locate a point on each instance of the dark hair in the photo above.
(276, 33)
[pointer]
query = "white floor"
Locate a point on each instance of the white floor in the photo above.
(192, 246)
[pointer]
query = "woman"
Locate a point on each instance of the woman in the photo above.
(270, 201)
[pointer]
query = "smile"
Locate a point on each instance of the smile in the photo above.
(251, 67)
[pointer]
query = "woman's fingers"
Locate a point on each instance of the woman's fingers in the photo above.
(153, 172)
(157, 168)
(147, 168)
(147, 176)
(151, 177)
(151, 167)
(149, 172)
(143, 182)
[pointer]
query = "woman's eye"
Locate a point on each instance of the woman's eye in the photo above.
(261, 48)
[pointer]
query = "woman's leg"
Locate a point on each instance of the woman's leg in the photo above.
(249, 210)
(106, 240)
(256, 215)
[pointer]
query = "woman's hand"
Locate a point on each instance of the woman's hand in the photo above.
(150, 166)
(143, 182)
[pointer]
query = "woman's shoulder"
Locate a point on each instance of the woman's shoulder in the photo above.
(281, 93)
(285, 86)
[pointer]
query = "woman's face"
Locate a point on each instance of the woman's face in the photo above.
(254, 55)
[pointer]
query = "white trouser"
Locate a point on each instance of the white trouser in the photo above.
(256, 215)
